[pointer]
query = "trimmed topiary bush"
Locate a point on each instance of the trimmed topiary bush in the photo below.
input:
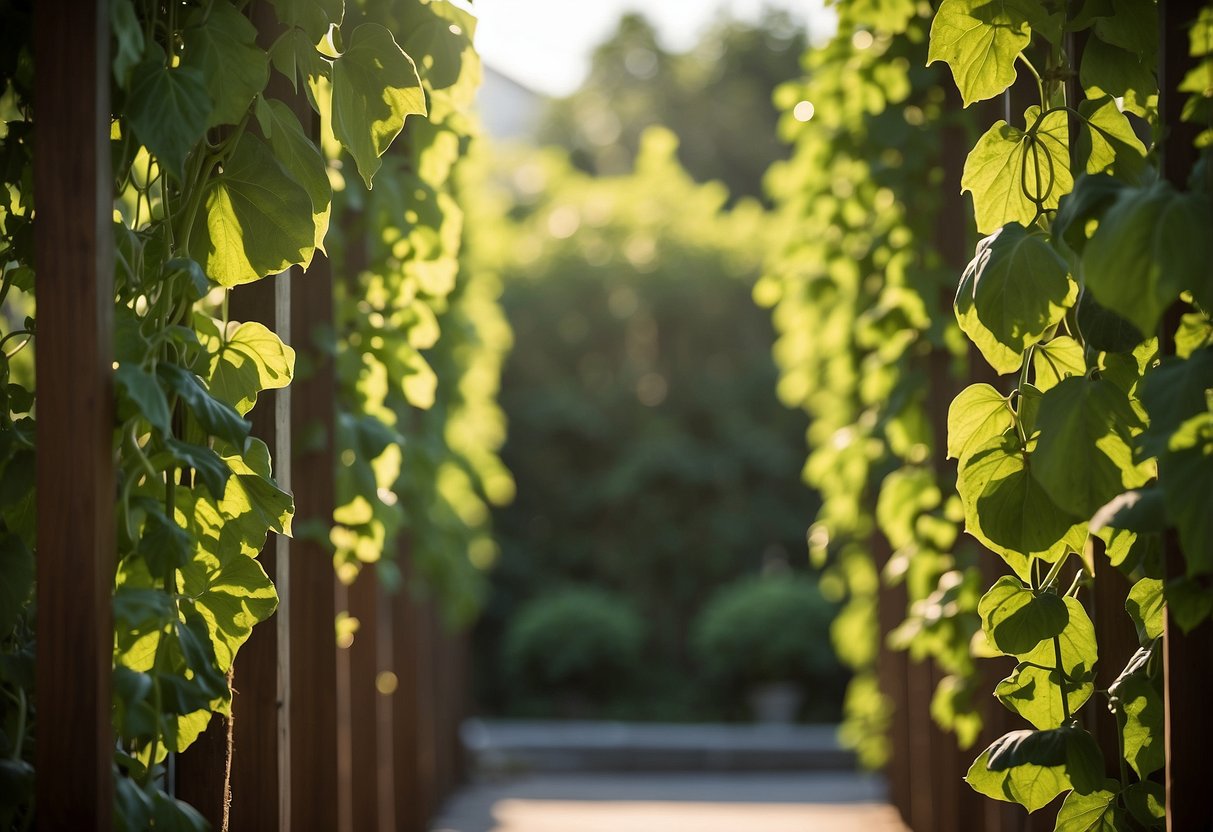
(578, 645)
(766, 630)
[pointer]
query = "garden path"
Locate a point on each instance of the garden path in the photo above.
(672, 802)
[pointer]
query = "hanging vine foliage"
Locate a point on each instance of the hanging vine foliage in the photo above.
(218, 182)
(859, 293)
(1102, 443)
(1089, 291)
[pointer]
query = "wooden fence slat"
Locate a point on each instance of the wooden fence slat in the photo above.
(74, 469)
(261, 756)
(360, 712)
(891, 670)
(1187, 657)
(313, 646)
(413, 707)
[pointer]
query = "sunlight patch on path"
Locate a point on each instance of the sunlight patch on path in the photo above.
(587, 816)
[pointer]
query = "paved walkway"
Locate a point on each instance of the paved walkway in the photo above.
(672, 802)
(513, 746)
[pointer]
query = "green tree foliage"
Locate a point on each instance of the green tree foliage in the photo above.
(651, 455)
(635, 83)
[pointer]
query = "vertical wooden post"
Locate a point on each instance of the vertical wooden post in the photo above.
(891, 670)
(360, 714)
(75, 471)
(261, 756)
(413, 706)
(313, 642)
(385, 715)
(1187, 657)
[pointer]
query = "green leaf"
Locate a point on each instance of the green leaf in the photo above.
(164, 545)
(172, 815)
(1079, 651)
(295, 56)
(140, 388)
(1017, 619)
(1067, 746)
(197, 284)
(169, 110)
(1195, 331)
(1011, 293)
(1008, 511)
(302, 160)
(904, 495)
(1146, 802)
(980, 41)
(1145, 606)
(252, 359)
(312, 16)
(1084, 457)
(1059, 358)
(1137, 698)
(1094, 812)
(1091, 196)
(233, 597)
(976, 416)
(1132, 25)
(1151, 244)
(16, 581)
(375, 86)
(1189, 602)
(1108, 144)
(1104, 330)
(1009, 167)
(212, 471)
(1174, 392)
(128, 37)
(255, 499)
(214, 416)
(257, 220)
(1185, 473)
(1035, 694)
(1110, 70)
(1031, 786)
(440, 36)
(221, 44)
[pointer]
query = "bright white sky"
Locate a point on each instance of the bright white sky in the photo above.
(546, 44)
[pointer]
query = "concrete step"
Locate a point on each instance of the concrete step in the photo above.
(512, 746)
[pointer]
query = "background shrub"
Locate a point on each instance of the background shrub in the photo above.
(576, 645)
(770, 629)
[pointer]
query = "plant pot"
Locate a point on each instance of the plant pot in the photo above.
(775, 703)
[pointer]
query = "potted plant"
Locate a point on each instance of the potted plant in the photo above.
(768, 638)
(576, 646)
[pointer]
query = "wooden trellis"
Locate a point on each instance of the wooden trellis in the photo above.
(275, 764)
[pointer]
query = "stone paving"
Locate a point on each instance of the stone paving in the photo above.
(672, 802)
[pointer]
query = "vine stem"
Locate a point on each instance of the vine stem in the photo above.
(1053, 572)
(1040, 84)
(1061, 680)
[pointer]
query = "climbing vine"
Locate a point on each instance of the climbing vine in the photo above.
(220, 180)
(860, 293)
(1091, 291)
(419, 457)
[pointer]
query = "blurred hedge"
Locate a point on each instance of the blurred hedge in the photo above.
(650, 453)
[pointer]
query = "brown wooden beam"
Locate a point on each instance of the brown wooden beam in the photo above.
(73, 239)
(313, 642)
(1187, 657)
(360, 718)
